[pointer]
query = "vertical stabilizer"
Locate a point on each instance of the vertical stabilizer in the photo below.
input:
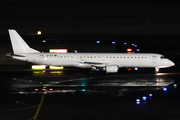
(18, 44)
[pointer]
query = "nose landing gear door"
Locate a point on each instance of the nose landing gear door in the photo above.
(154, 59)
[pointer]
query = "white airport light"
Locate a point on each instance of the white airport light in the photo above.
(38, 67)
(39, 32)
(137, 100)
(132, 44)
(44, 41)
(135, 68)
(137, 50)
(58, 50)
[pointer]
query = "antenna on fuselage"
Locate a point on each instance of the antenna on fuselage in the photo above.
(75, 51)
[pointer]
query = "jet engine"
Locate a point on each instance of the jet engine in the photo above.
(111, 69)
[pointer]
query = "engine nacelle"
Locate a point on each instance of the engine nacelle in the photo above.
(111, 69)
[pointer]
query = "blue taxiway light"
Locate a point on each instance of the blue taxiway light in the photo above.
(137, 50)
(113, 42)
(164, 89)
(175, 85)
(135, 68)
(97, 42)
(144, 98)
(137, 103)
(125, 43)
(150, 96)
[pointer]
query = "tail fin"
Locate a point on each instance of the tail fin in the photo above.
(18, 44)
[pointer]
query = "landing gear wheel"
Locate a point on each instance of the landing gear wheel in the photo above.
(156, 70)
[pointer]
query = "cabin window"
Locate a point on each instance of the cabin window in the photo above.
(162, 57)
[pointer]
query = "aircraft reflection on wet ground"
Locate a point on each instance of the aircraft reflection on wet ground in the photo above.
(60, 90)
(49, 82)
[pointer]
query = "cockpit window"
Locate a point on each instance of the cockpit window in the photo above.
(162, 57)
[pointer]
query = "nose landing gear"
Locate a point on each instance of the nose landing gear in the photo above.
(156, 69)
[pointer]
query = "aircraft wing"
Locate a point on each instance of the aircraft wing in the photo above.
(96, 64)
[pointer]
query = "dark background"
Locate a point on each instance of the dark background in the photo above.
(152, 24)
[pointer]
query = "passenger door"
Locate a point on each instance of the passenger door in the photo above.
(41, 58)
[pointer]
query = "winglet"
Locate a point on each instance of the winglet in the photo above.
(18, 44)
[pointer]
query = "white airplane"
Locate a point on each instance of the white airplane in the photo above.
(109, 62)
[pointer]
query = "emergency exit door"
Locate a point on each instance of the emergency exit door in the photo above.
(154, 59)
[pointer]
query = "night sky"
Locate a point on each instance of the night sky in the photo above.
(154, 25)
(91, 17)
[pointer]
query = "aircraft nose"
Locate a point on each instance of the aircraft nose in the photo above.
(171, 63)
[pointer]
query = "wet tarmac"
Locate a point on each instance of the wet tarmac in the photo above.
(80, 94)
